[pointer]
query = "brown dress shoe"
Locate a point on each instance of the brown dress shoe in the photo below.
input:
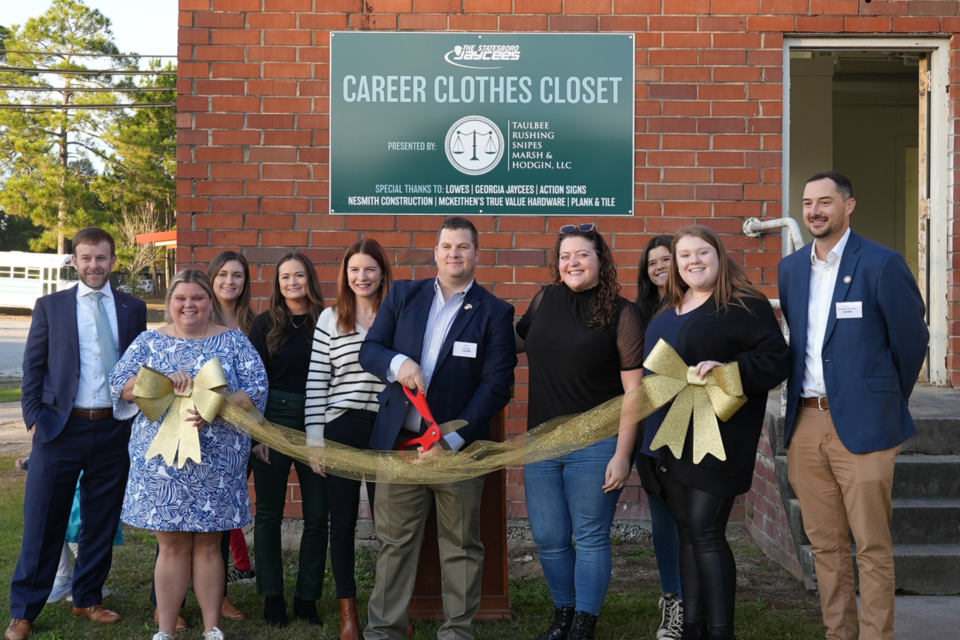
(18, 629)
(349, 620)
(229, 611)
(181, 621)
(98, 613)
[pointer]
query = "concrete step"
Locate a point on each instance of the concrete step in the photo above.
(925, 521)
(935, 436)
(921, 569)
(927, 476)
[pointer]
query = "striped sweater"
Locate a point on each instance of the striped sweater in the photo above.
(336, 382)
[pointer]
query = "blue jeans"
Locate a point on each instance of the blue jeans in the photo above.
(567, 506)
(666, 545)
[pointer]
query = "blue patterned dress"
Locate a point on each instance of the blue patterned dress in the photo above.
(212, 495)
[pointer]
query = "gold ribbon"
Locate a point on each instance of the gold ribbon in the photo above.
(178, 439)
(719, 394)
(550, 440)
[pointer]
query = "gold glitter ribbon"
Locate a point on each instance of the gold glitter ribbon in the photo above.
(550, 440)
(719, 394)
(178, 440)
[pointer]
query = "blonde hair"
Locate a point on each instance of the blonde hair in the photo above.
(194, 276)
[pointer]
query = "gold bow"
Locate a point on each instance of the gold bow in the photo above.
(155, 396)
(719, 394)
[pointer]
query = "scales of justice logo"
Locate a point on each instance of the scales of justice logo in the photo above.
(474, 145)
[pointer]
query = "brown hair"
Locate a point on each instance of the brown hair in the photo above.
(194, 276)
(732, 284)
(94, 236)
(459, 222)
(346, 304)
(245, 314)
(280, 313)
(604, 312)
(648, 294)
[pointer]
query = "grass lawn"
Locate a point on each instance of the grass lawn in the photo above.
(10, 393)
(771, 605)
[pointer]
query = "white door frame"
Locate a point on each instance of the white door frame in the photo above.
(939, 48)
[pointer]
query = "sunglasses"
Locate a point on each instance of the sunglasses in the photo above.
(586, 227)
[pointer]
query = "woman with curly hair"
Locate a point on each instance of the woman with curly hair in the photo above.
(283, 335)
(584, 343)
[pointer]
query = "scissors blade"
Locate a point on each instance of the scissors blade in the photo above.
(449, 427)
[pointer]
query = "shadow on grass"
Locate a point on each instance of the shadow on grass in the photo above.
(772, 605)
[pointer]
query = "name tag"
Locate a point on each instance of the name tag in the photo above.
(849, 310)
(465, 349)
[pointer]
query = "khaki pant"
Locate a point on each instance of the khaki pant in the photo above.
(841, 491)
(400, 512)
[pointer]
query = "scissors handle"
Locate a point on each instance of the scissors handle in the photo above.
(427, 440)
(419, 400)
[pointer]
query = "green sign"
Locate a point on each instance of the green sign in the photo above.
(468, 123)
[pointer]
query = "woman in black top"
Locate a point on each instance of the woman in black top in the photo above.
(652, 275)
(283, 336)
(715, 316)
(585, 344)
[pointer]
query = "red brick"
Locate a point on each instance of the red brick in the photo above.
(193, 36)
(236, 70)
(686, 7)
(192, 103)
(673, 23)
(933, 8)
(244, 105)
(537, 6)
(723, 57)
(270, 121)
(286, 70)
(673, 158)
(625, 23)
(688, 175)
(219, 188)
(272, 21)
(265, 154)
(641, 7)
(867, 25)
(675, 125)
(719, 192)
(676, 57)
(287, 105)
(720, 159)
(888, 8)
(473, 22)
(241, 238)
(736, 74)
(742, 108)
(722, 92)
(523, 23)
(771, 23)
(736, 40)
(686, 142)
(219, 88)
(785, 7)
(272, 54)
(440, 6)
(341, 6)
(288, 5)
(916, 25)
(322, 21)
(288, 37)
(219, 53)
(219, 154)
(686, 40)
(417, 22)
(192, 204)
(236, 137)
(586, 7)
(198, 171)
(193, 70)
(673, 92)
(287, 138)
(219, 20)
(720, 24)
(220, 120)
(366, 21)
(736, 142)
(573, 23)
(834, 7)
(819, 24)
(736, 7)
(236, 5)
(389, 6)
(235, 205)
(235, 36)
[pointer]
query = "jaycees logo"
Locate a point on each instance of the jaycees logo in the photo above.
(474, 145)
(482, 53)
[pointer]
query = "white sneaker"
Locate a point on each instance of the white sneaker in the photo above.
(60, 591)
(163, 635)
(671, 618)
(104, 592)
(213, 634)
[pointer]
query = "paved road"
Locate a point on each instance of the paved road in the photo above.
(13, 336)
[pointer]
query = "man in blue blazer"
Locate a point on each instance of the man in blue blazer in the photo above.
(452, 340)
(76, 337)
(858, 339)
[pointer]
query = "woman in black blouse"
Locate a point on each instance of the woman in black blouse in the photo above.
(283, 336)
(715, 316)
(585, 344)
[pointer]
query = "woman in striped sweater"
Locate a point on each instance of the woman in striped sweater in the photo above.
(342, 403)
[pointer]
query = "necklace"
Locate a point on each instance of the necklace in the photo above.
(297, 326)
(176, 333)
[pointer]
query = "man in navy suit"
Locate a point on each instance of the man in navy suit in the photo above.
(76, 337)
(453, 341)
(858, 341)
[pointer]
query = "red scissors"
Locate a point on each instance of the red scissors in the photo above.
(434, 432)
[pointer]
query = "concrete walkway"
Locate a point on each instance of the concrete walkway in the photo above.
(928, 618)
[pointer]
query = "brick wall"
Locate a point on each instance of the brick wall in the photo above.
(254, 132)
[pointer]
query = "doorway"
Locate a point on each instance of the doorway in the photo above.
(870, 109)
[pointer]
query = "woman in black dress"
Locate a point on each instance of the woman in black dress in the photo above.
(585, 345)
(715, 316)
(283, 335)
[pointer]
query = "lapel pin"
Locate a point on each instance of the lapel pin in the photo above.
(847, 279)
(467, 307)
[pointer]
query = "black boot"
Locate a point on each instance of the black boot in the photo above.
(306, 610)
(695, 631)
(584, 627)
(560, 627)
(275, 611)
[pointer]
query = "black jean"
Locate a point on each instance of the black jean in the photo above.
(708, 570)
(353, 429)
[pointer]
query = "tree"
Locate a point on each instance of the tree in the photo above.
(40, 176)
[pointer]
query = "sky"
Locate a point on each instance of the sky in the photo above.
(139, 26)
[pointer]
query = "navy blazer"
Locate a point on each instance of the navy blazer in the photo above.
(471, 389)
(870, 364)
(51, 360)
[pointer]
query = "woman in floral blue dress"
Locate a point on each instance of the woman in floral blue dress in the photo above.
(189, 508)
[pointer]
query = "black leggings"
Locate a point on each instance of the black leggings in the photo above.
(353, 429)
(708, 571)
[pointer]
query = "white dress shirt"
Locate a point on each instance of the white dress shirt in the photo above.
(93, 391)
(823, 278)
(442, 314)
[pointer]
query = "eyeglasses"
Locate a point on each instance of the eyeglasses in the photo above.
(586, 227)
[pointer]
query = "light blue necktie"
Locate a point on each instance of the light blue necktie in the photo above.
(108, 348)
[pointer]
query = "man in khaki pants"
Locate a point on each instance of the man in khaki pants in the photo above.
(858, 340)
(450, 338)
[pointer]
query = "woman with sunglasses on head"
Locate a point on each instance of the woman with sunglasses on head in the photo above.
(342, 404)
(714, 316)
(585, 346)
(283, 336)
(653, 273)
